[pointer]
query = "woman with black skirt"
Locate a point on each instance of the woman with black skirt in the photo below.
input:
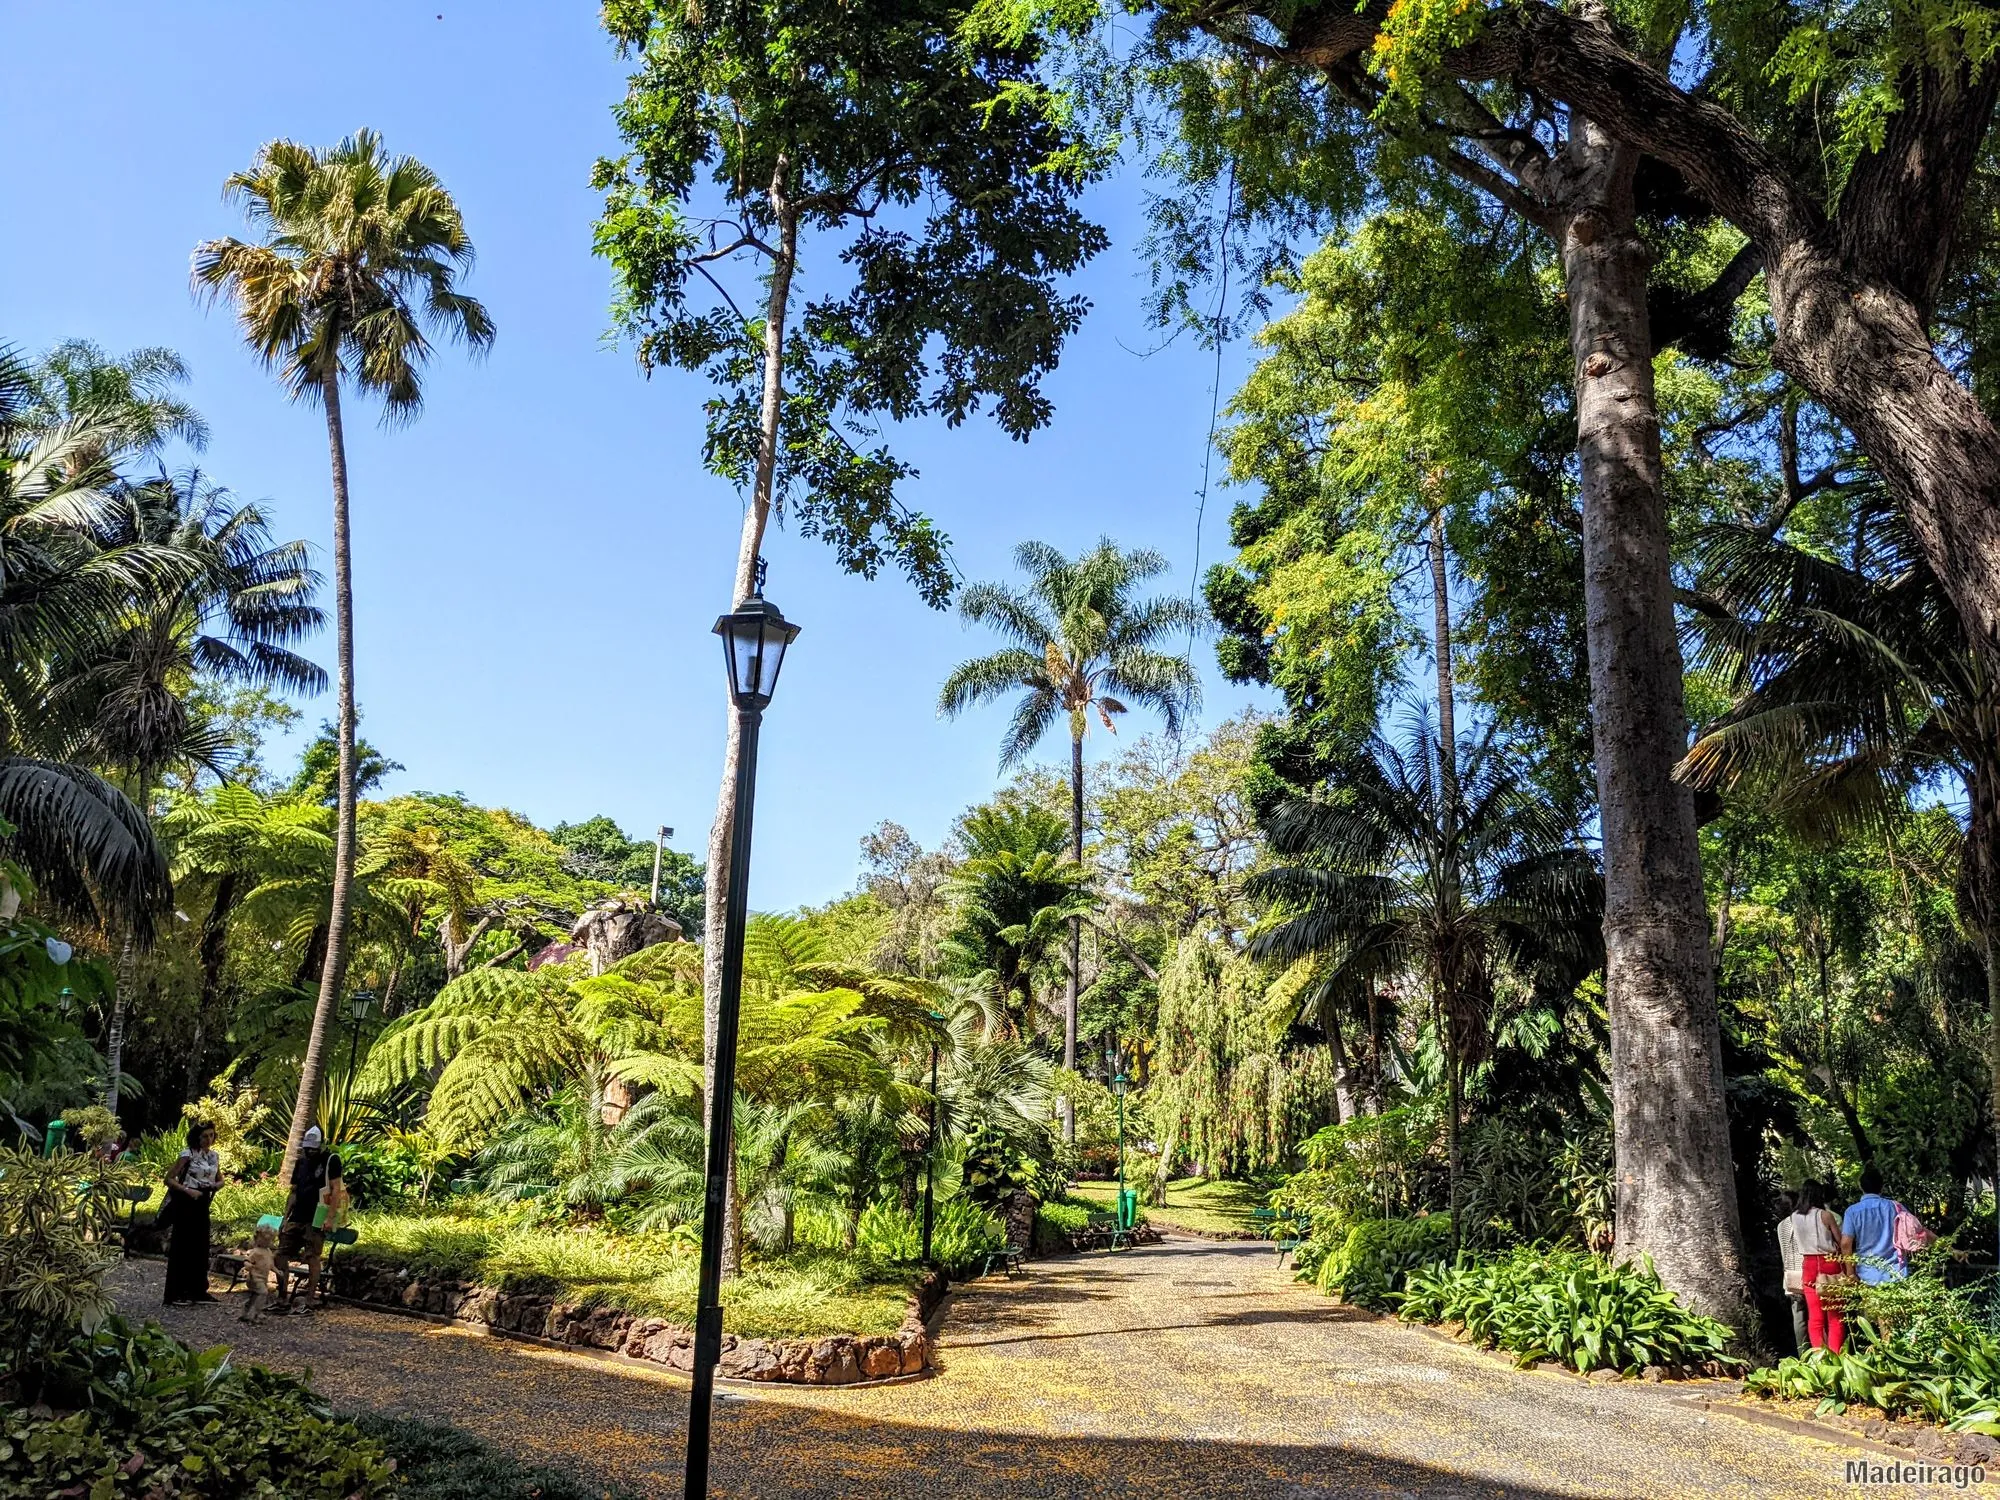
(191, 1183)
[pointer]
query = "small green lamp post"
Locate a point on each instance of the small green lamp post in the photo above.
(1125, 1204)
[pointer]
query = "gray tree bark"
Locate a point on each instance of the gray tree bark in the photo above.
(334, 969)
(1676, 1199)
(756, 519)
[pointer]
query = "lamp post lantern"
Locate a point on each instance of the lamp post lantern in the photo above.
(1118, 1087)
(358, 1005)
(754, 639)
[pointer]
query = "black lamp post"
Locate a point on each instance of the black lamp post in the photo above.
(930, 1146)
(358, 1005)
(754, 638)
(1118, 1087)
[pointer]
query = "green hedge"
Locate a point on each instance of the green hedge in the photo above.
(1056, 1222)
(1369, 1267)
(1567, 1305)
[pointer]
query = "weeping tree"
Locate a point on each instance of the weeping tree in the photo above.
(1231, 1090)
(1401, 872)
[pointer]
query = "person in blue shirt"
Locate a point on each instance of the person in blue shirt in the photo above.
(1868, 1233)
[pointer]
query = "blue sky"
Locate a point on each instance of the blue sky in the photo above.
(539, 559)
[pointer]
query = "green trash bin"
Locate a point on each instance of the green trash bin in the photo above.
(1128, 1207)
(52, 1138)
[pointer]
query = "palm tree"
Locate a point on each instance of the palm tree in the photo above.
(1015, 894)
(231, 615)
(360, 257)
(1854, 684)
(1404, 870)
(228, 843)
(1081, 643)
(76, 379)
(63, 597)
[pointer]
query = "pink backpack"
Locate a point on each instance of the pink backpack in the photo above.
(1910, 1236)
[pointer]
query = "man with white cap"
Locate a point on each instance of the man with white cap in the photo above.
(302, 1238)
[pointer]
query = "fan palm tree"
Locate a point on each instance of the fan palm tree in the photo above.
(1854, 683)
(63, 597)
(231, 615)
(360, 257)
(1400, 871)
(1081, 643)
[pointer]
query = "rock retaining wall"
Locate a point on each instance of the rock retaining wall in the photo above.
(837, 1359)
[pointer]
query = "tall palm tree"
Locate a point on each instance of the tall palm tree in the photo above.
(1404, 870)
(1081, 643)
(1015, 894)
(360, 257)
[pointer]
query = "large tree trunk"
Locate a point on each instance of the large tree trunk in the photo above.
(1075, 931)
(334, 970)
(756, 517)
(1675, 1180)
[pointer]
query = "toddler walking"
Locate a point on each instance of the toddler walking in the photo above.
(260, 1269)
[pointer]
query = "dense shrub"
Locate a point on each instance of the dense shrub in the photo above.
(57, 1217)
(1567, 1305)
(962, 1234)
(1914, 1348)
(434, 1462)
(1368, 1267)
(134, 1412)
(1056, 1222)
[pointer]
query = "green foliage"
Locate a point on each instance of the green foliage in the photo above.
(1056, 1222)
(58, 1216)
(995, 1168)
(150, 1418)
(1565, 1305)
(1369, 1267)
(436, 1462)
(1371, 1166)
(1915, 1347)
(883, 131)
(961, 1234)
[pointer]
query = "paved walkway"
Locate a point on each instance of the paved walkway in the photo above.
(1189, 1369)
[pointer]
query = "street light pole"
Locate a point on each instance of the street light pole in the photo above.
(1118, 1086)
(659, 849)
(754, 638)
(930, 1150)
(358, 1005)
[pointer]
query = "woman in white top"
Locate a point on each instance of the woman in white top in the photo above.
(1817, 1233)
(191, 1183)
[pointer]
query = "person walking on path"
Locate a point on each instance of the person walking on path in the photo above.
(191, 1184)
(1868, 1233)
(1817, 1233)
(1794, 1263)
(303, 1235)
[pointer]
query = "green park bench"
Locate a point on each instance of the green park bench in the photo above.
(131, 1197)
(1010, 1257)
(334, 1240)
(1292, 1233)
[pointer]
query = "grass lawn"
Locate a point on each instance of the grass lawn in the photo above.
(807, 1294)
(1213, 1207)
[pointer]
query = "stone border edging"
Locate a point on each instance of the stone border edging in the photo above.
(543, 1317)
(1945, 1446)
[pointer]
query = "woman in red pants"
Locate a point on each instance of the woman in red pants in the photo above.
(1818, 1234)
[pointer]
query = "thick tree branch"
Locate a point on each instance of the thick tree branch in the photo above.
(1699, 322)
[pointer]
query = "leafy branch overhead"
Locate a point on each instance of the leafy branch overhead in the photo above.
(947, 214)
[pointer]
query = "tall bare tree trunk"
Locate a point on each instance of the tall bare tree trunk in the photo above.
(1075, 930)
(755, 519)
(1676, 1197)
(1447, 771)
(114, 1030)
(334, 969)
